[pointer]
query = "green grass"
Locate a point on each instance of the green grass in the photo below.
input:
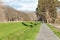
(19, 31)
(56, 31)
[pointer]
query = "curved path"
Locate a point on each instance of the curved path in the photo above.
(46, 33)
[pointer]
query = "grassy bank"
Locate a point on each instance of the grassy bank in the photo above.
(19, 30)
(56, 31)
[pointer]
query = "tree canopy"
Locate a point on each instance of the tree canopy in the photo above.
(47, 6)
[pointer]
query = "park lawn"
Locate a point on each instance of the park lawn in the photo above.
(56, 31)
(19, 30)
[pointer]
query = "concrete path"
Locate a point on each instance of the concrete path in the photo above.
(46, 33)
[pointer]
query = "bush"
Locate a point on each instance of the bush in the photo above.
(24, 24)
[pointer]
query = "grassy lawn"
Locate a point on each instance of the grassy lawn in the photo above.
(19, 30)
(56, 31)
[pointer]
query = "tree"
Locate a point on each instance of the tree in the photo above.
(47, 6)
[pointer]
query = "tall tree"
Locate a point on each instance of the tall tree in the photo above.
(47, 6)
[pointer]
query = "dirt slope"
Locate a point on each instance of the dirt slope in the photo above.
(10, 14)
(58, 17)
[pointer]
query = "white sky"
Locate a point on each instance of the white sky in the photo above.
(59, 0)
(22, 4)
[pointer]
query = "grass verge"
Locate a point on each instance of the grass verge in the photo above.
(56, 31)
(19, 30)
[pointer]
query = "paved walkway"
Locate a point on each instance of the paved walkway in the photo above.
(46, 33)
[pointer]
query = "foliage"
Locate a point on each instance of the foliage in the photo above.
(47, 6)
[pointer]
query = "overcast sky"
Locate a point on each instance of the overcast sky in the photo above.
(22, 4)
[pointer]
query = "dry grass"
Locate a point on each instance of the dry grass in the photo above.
(56, 31)
(58, 17)
(10, 14)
